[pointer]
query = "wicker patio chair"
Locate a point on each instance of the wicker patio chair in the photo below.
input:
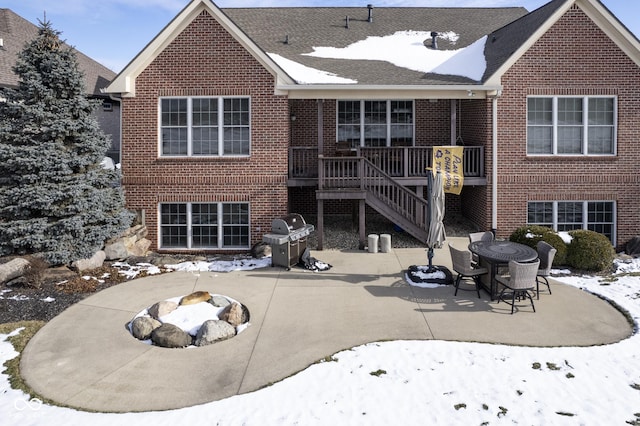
(480, 236)
(461, 260)
(546, 253)
(519, 284)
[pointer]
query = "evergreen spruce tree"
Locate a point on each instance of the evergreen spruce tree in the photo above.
(56, 200)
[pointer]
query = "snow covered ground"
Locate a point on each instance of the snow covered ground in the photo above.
(416, 383)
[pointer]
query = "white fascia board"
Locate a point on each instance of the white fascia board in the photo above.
(344, 91)
(124, 83)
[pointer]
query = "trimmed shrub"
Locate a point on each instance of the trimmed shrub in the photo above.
(590, 251)
(530, 235)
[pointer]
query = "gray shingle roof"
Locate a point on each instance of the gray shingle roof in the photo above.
(503, 42)
(317, 26)
(16, 31)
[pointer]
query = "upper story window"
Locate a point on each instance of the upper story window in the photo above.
(571, 125)
(375, 123)
(197, 126)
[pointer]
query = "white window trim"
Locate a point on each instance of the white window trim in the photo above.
(585, 125)
(388, 118)
(585, 213)
(220, 127)
(219, 213)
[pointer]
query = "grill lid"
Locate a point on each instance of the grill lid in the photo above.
(291, 227)
(287, 224)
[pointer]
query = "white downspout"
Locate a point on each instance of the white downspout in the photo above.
(494, 171)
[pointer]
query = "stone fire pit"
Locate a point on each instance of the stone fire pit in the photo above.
(197, 319)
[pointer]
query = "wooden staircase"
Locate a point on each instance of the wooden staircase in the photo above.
(357, 178)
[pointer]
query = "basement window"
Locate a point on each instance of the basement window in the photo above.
(204, 225)
(598, 216)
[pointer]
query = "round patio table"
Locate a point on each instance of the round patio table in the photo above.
(496, 253)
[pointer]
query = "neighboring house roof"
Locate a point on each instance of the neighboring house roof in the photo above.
(317, 50)
(16, 31)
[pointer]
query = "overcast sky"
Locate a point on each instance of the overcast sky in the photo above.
(113, 32)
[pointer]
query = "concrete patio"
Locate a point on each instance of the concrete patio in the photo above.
(86, 357)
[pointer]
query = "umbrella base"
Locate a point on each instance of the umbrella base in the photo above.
(433, 274)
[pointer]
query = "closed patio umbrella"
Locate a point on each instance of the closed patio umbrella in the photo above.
(432, 276)
(437, 234)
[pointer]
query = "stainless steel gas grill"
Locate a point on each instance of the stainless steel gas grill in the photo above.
(288, 239)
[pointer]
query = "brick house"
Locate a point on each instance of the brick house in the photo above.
(15, 32)
(231, 118)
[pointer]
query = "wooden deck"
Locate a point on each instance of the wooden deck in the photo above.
(379, 177)
(407, 165)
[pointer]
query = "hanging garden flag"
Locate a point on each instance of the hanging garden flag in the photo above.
(448, 161)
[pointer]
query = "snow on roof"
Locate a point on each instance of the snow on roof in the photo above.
(307, 75)
(467, 62)
(405, 49)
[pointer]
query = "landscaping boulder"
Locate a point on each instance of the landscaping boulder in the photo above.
(219, 301)
(93, 262)
(170, 336)
(195, 297)
(164, 260)
(633, 247)
(213, 331)
(21, 281)
(13, 269)
(142, 327)
(161, 309)
(116, 251)
(132, 242)
(235, 314)
(140, 247)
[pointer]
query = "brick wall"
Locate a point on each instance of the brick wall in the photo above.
(573, 58)
(432, 122)
(474, 118)
(204, 60)
(304, 130)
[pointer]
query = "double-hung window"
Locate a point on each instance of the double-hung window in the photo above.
(199, 126)
(375, 123)
(204, 225)
(598, 216)
(563, 125)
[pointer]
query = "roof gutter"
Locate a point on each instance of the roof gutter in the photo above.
(364, 91)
